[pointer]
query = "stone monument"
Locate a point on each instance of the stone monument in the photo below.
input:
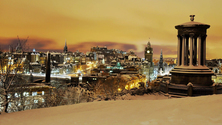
(191, 77)
(48, 68)
(191, 55)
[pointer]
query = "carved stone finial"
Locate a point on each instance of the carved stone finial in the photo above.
(189, 84)
(192, 17)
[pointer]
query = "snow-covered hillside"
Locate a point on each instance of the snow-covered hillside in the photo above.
(203, 110)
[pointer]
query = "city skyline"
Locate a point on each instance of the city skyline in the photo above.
(124, 25)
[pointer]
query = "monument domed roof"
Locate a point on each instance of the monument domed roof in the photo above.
(192, 23)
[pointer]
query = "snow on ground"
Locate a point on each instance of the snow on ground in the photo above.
(203, 110)
(153, 96)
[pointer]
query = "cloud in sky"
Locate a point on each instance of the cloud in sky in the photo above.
(37, 43)
(41, 44)
(110, 45)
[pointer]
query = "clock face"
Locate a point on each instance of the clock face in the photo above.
(148, 51)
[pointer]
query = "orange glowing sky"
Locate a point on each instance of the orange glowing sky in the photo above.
(120, 24)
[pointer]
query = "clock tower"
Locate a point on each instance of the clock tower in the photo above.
(148, 68)
(149, 53)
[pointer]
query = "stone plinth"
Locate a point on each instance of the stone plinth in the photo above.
(196, 75)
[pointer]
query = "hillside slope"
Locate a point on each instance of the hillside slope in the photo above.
(203, 110)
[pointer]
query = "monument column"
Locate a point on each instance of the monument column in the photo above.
(191, 49)
(48, 68)
(178, 51)
(199, 51)
(204, 50)
(183, 49)
(186, 49)
(195, 50)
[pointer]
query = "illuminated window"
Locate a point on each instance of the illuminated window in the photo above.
(9, 104)
(27, 102)
(25, 94)
(34, 93)
(9, 95)
(16, 95)
(19, 103)
(36, 101)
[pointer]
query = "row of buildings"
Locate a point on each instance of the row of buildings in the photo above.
(67, 62)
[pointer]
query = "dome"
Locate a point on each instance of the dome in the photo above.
(192, 23)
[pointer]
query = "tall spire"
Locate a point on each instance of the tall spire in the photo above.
(161, 55)
(148, 44)
(161, 61)
(65, 50)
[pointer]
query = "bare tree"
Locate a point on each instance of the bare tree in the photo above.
(66, 96)
(6, 81)
(8, 74)
(21, 43)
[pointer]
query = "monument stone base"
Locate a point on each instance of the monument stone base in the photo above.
(197, 75)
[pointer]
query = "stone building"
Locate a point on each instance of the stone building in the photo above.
(148, 67)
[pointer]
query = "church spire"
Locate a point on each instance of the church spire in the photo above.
(65, 50)
(161, 55)
(161, 61)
